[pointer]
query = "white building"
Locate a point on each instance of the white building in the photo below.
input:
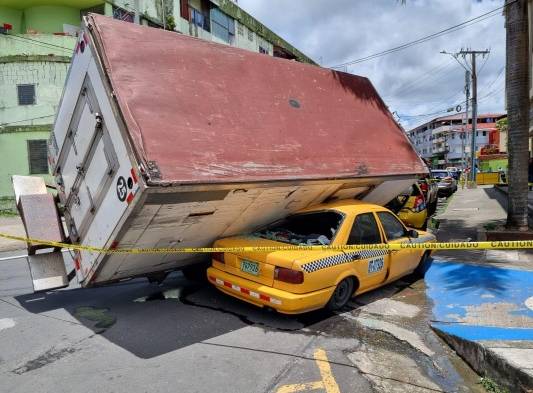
(444, 141)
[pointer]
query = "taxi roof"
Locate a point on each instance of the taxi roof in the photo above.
(345, 206)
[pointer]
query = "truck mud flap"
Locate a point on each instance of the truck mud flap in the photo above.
(48, 271)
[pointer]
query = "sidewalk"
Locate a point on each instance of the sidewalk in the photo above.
(12, 226)
(483, 300)
(471, 210)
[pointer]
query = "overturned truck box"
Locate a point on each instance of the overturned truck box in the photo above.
(163, 140)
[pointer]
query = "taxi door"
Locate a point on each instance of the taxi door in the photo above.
(401, 261)
(372, 264)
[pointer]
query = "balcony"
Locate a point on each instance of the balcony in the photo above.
(440, 129)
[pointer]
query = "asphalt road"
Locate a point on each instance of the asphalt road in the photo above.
(185, 336)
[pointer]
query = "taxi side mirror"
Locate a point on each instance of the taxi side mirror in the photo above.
(412, 233)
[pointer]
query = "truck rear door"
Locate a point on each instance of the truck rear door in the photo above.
(87, 163)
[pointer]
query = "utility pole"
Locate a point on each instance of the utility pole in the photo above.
(163, 13)
(473, 54)
(465, 127)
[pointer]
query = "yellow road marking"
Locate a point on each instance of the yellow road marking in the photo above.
(327, 382)
(301, 387)
(325, 371)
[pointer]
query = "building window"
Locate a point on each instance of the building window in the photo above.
(222, 26)
(123, 15)
(250, 35)
(240, 29)
(26, 94)
(263, 45)
(484, 133)
(37, 156)
(199, 19)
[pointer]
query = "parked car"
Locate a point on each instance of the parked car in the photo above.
(445, 181)
(455, 172)
(430, 189)
(411, 207)
(298, 281)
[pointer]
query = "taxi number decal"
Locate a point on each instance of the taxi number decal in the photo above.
(375, 265)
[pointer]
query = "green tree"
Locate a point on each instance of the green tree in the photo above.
(517, 83)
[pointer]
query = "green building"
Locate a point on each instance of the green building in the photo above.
(37, 38)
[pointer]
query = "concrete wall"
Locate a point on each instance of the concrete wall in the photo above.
(493, 165)
(48, 78)
(49, 19)
(11, 16)
(14, 155)
(35, 44)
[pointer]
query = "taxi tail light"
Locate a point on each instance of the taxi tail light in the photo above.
(420, 204)
(218, 256)
(288, 275)
(424, 187)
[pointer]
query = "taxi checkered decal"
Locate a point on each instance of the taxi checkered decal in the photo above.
(340, 259)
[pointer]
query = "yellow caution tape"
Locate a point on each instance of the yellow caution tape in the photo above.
(515, 244)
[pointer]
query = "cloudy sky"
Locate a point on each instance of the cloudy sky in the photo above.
(415, 82)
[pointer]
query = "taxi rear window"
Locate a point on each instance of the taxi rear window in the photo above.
(316, 228)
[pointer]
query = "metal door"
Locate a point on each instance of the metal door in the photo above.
(86, 165)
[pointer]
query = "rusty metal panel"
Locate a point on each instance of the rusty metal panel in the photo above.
(40, 218)
(200, 112)
(48, 271)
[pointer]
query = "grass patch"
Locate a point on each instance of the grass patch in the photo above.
(8, 207)
(8, 213)
(490, 386)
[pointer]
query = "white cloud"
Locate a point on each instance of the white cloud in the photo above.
(418, 80)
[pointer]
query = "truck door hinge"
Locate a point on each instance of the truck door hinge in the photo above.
(99, 120)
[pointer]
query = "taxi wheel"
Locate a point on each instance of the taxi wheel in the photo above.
(342, 294)
(421, 268)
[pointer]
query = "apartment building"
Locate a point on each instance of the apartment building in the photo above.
(446, 141)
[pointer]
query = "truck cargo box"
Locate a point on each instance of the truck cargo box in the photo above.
(163, 140)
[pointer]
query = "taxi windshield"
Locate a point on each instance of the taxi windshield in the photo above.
(316, 228)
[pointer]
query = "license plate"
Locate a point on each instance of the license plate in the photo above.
(250, 267)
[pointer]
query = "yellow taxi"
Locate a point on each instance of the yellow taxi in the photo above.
(411, 207)
(293, 282)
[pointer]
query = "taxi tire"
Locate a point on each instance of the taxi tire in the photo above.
(196, 272)
(420, 270)
(342, 294)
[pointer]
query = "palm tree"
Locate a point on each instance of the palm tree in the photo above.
(517, 83)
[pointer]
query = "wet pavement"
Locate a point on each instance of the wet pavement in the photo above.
(187, 336)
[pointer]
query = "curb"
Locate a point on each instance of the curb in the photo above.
(487, 363)
(504, 192)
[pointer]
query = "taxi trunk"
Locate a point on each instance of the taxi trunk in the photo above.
(259, 267)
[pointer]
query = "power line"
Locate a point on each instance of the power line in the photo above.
(448, 30)
(22, 121)
(428, 75)
(37, 42)
(500, 72)
(431, 113)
